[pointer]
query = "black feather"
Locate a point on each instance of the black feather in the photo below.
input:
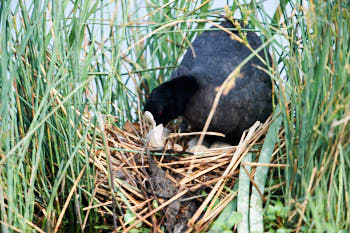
(192, 88)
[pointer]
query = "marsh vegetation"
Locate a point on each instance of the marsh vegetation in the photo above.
(73, 73)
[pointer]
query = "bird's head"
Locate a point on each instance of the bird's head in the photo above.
(168, 100)
(161, 105)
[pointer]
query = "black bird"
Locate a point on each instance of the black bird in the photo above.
(193, 86)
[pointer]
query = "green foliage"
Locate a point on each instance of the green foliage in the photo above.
(316, 129)
(227, 219)
(98, 58)
(130, 218)
(276, 216)
(62, 63)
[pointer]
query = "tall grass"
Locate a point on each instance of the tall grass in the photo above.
(64, 64)
(316, 124)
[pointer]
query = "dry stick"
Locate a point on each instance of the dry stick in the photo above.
(232, 75)
(122, 185)
(200, 161)
(233, 162)
(96, 162)
(204, 155)
(345, 120)
(178, 172)
(10, 226)
(44, 212)
(127, 162)
(132, 219)
(133, 209)
(222, 178)
(90, 204)
(173, 135)
(199, 7)
(243, 144)
(77, 209)
(306, 200)
(324, 165)
(254, 183)
(280, 148)
(265, 164)
(126, 134)
(32, 225)
(156, 209)
(207, 183)
(139, 113)
(154, 219)
(139, 215)
(194, 176)
(212, 203)
(122, 224)
(217, 210)
(141, 204)
(76, 203)
(27, 222)
(96, 206)
(65, 206)
(117, 182)
(276, 186)
(211, 208)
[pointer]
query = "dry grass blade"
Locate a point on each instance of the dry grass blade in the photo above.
(58, 224)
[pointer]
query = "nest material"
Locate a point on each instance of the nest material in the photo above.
(165, 188)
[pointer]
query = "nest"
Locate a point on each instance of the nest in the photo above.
(165, 189)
